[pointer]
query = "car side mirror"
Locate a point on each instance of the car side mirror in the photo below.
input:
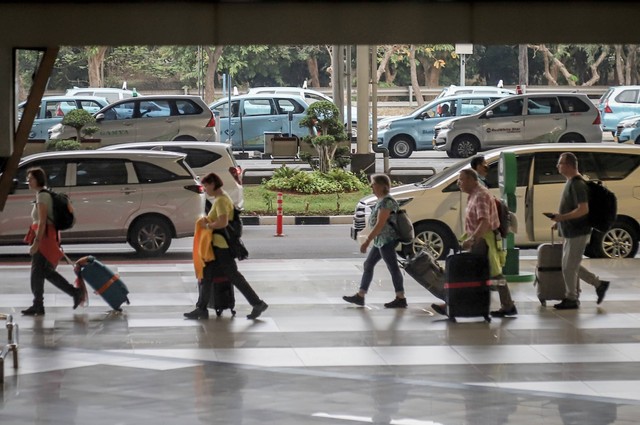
(100, 117)
(488, 114)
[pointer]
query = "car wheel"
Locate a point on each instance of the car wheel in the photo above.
(571, 138)
(150, 236)
(185, 139)
(621, 241)
(435, 238)
(465, 146)
(401, 148)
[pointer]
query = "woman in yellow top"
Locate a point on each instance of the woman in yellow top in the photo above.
(223, 263)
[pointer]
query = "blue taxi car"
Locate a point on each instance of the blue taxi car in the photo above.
(628, 130)
(616, 104)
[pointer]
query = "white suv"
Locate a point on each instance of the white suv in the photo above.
(141, 197)
(521, 119)
(436, 205)
(149, 118)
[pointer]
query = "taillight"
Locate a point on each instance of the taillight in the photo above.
(196, 188)
(607, 110)
(212, 120)
(597, 120)
(59, 111)
(236, 173)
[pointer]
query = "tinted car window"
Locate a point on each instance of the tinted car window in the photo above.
(120, 112)
(155, 108)
(56, 171)
(627, 96)
(614, 166)
(149, 173)
(546, 171)
(196, 158)
(509, 108)
(187, 107)
(101, 172)
(573, 104)
(523, 164)
(285, 106)
(253, 107)
(543, 106)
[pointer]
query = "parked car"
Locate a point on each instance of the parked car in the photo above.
(521, 119)
(140, 197)
(111, 94)
(53, 108)
(310, 97)
(454, 90)
(628, 130)
(253, 115)
(150, 118)
(436, 205)
(618, 103)
(414, 132)
(203, 158)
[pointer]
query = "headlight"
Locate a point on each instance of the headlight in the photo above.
(447, 126)
(384, 126)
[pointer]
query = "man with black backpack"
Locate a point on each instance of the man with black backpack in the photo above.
(573, 225)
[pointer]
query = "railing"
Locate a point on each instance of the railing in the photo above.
(11, 346)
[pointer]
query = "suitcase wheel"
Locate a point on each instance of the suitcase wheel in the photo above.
(487, 319)
(233, 313)
(452, 319)
(218, 312)
(543, 302)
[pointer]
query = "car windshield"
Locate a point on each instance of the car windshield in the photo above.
(444, 175)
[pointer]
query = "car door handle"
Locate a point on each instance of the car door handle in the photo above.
(274, 120)
(127, 190)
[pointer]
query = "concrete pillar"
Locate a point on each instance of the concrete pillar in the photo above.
(363, 160)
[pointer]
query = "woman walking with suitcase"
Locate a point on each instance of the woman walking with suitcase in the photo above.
(45, 247)
(384, 240)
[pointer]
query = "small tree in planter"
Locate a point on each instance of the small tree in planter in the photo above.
(79, 118)
(325, 132)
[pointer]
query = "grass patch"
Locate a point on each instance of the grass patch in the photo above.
(260, 201)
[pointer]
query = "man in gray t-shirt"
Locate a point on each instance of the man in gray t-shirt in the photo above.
(573, 224)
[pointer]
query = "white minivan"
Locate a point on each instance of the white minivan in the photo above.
(518, 120)
(436, 205)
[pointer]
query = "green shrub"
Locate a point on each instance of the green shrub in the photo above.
(335, 181)
(63, 145)
(79, 118)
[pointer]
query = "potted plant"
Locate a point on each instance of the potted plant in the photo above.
(80, 119)
(326, 131)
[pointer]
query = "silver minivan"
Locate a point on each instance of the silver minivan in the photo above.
(145, 198)
(150, 118)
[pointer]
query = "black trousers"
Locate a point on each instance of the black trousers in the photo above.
(42, 269)
(224, 265)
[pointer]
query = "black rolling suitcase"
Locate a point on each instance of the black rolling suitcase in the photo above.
(222, 296)
(427, 272)
(467, 286)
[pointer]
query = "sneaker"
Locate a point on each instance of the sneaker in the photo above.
(78, 297)
(397, 303)
(258, 310)
(34, 311)
(198, 313)
(601, 290)
(505, 312)
(439, 308)
(567, 304)
(354, 299)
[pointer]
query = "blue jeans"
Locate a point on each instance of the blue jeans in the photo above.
(388, 254)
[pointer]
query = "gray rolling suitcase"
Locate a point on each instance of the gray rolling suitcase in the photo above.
(549, 282)
(427, 272)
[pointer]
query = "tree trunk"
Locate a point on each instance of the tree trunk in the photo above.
(95, 65)
(312, 66)
(414, 75)
(213, 57)
(523, 65)
(631, 60)
(390, 75)
(382, 68)
(620, 59)
(595, 76)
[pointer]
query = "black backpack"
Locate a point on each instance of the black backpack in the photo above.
(402, 225)
(603, 206)
(63, 217)
(232, 234)
(504, 216)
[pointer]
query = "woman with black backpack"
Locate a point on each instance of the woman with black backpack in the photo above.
(45, 247)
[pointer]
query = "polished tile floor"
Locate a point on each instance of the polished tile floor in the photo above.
(313, 359)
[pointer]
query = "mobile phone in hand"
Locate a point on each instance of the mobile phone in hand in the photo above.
(549, 215)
